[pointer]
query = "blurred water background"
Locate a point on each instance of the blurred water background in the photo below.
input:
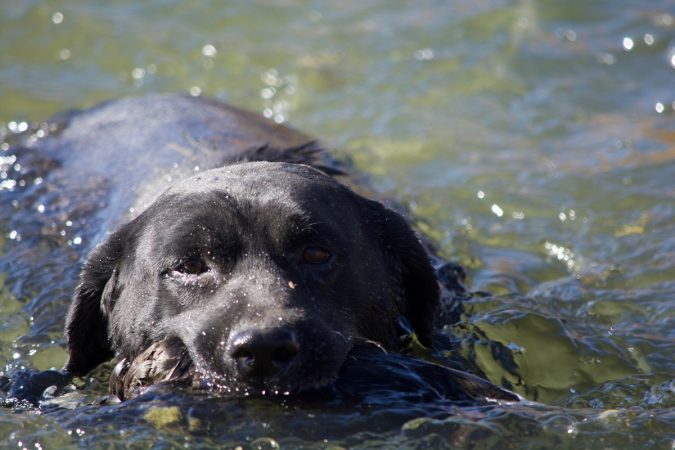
(534, 141)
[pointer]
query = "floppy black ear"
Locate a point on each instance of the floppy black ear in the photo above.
(420, 285)
(87, 322)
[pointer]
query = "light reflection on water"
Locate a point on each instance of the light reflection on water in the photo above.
(534, 140)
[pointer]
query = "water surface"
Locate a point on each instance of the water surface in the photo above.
(534, 141)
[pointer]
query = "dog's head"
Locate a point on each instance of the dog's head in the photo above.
(267, 272)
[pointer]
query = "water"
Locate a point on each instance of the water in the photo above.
(533, 140)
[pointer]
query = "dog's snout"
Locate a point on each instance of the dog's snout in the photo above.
(260, 353)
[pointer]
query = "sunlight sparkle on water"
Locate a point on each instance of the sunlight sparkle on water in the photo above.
(209, 51)
(424, 54)
(138, 73)
(628, 44)
(571, 35)
(57, 17)
(496, 210)
(562, 254)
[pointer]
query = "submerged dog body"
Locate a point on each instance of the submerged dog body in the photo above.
(265, 269)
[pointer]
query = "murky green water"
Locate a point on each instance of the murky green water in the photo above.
(535, 140)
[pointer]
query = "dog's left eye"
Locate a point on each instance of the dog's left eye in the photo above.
(192, 266)
(315, 255)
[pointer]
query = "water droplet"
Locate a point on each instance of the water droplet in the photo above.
(138, 73)
(607, 58)
(497, 211)
(628, 44)
(57, 17)
(571, 35)
(209, 51)
(424, 54)
(195, 91)
(267, 92)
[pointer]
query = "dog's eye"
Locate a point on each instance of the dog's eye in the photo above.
(192, 266)
(315, 255)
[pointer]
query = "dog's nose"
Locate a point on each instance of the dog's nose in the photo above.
(260, 353)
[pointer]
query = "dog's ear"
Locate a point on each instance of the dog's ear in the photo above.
(310, 153)
(87, 321)
(413, 266)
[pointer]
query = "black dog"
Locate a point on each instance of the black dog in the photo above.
(266, 272)
(259, 273)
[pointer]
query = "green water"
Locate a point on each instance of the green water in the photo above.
(533, 140)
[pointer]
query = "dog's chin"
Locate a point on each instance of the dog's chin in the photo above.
(168, 362)
(269, 388)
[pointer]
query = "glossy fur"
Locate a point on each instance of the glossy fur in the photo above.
(267, 272)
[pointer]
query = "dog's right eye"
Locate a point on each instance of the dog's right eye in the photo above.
(192, 266)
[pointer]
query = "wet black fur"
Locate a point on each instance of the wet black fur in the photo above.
(249, 220)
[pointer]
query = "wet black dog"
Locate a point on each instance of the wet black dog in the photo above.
(259, 273)
(267, 272)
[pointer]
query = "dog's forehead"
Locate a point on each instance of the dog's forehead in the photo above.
(274, 199)
(258, 192)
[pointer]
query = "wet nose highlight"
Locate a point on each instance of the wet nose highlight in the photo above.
(258, 353)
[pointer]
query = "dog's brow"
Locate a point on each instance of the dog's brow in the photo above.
(303, 224)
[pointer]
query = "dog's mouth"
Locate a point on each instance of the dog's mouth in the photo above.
(169, 362)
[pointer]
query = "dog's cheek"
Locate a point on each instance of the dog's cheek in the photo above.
(134, 323)
(375, 309)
